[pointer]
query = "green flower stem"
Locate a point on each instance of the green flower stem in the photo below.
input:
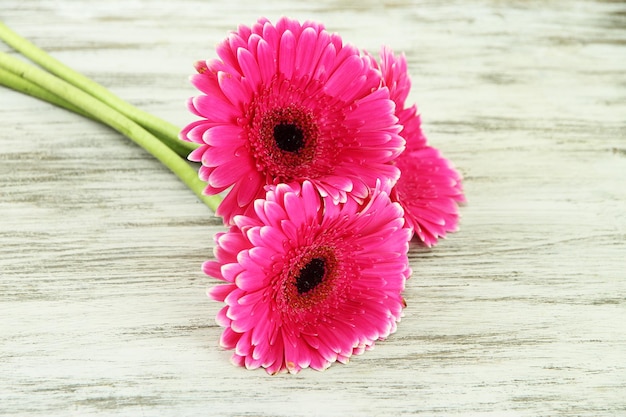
(167, 132)
(10, 80)
(14, 81)
(116, 120)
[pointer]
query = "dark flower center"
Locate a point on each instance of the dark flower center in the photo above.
(289, 137)
(311, 275)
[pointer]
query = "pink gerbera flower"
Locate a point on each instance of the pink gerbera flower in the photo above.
(396, 78)
(429, 187)
(428, 190)
(287, 103)
(309, 282)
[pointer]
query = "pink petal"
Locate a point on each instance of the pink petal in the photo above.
(286, 54)
(233, 89)
(342, 77)
(214, 109)
(227, 174)
(212, 268)
(220, 292)
(266, 61)
(249, 66)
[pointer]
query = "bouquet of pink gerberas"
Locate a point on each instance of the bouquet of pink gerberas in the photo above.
(322, 175)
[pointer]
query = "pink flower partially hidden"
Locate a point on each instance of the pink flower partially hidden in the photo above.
(309, 282)
(289, 103)
(429, 187)
(428, 190)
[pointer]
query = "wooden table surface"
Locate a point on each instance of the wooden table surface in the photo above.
(102, 301)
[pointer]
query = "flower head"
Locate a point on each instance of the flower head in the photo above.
(429, 187)
(396, 78)
(310, 282)
(290, 102)
(428, 190)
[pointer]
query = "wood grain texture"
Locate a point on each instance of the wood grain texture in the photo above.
(102, 301)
